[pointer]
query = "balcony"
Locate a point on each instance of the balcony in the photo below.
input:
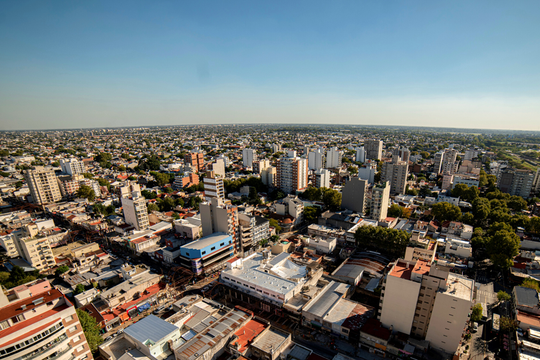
(47, 347)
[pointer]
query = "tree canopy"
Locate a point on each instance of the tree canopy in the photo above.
(390, 241)
(91, 330)
(86, 192)
(444, 211)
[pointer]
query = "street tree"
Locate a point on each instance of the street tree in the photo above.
(444, 211)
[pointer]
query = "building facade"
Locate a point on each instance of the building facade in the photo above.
(292, 173)
(379, 201)
(43, 185)
(134, 207)
(208, 254)
(354, 195)
(219, 217)
(72, 166)
(373, 149)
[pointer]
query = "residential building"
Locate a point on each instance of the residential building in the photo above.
(447, 181)
(213, 186)
(292, 173)
(316, 159)
(195, 159)
(333, 158)
(373, 149)
(269, 176)
(189, 228)
(379, 201)
(403, 153)
(185, 180)
(218, 167)
(134, 206)
(467, 180)
(219, 217)
(461, 248)
(322, 178)
(516, 182)
(437, 162)
(43, 185)
(38, 322)
(261, 165)
(72, 166)
(34, 246)
(471, 154)
(449, 163)
(248, 156)
(70, 184)
(367, 171)
(253, 229)
(208, 254)
(320, 245)
(361, 154)
(426, 301)
(293, 206)
(536, 182)
(275, 148)
(154, 337)
(395, 172)
(354, 195)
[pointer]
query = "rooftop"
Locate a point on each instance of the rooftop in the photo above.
(272, 339)
(402, 269)
(206, 241)
(526, 297)
(150, 328)
(247, 333)
(459, 287)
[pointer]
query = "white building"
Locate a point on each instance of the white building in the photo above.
(248, 156)
(367, 171)
(316, 159)
(134, 206)
(458, 247)
(322, 178)
(321, 245)
(333, 158)
(292, 173)
(361, 154)
(72, 166)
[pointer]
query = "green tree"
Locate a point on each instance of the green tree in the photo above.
(152, 207)
(353, 170)
(91, 330)
(311, 214)
(508, 325)
(502, 245)
(503, 296)
(149, 194)
(531, 284)
(168, 190)
(390, 241)
(274, 223)
(444, 211)
(395, 211)
(79, 289)
(18, 184)
(481, 209)
(61, 269)
(312, 194)
(86, 192)
(151, 162)
(517, 203)
(161, 178)
(468, 218)
(476, 314)
(104, 182)
(331, 199)
(534, 225)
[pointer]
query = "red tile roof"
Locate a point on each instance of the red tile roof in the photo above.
(15, 308)
(247, 333)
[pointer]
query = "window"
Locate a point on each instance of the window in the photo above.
(73, 329)
(69, 318)
(230, 242)
(226, 278)
(4, 325)
(233, 280)
(252, 287)
(259, 290)
(222, 244)
(80, 348)
(345, 331)
(204, 252)
(84, 357)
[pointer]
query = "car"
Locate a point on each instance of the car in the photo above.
(119, 331)
(159, 309)
(170, 308)
(108, 338)
(475, 327)
(114, 335)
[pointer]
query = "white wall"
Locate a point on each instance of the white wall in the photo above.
(399, 303)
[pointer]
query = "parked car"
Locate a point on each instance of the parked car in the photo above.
(158, 310)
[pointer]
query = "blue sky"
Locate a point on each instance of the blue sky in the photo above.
(71, 64)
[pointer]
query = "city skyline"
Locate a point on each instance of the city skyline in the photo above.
(88, 65)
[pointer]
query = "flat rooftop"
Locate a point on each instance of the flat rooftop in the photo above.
(402, 269)
(272, 339)
(460, 287)
(206, 241)
(150, 328)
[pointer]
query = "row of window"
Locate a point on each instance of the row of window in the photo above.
(31, 341)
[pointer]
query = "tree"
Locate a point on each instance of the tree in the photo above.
(149, 163)
(481, 209)
(353, 170)
(152, 207)
(517, 203)
(507, 324)
(531, 284)
(311, 214)
(395, 211)
(274, 223)
(476, 314)
(86, 192)
(91, 330)
(391, 241)
(18, 184)
(161, 178)
(104, 182)
(312, 194)
(444, 211)
(502, 245)
(104, 159)
(468, 218)
(61, 269)
(79, 289)
(331, 199)
(534, 225)
(503, 296)
(169, 190)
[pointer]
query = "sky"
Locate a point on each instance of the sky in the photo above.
(79, 64)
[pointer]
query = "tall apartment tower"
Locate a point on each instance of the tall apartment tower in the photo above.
(292, 173)
(379, 201)
(449, 161)
(248, 156)
(361, 154)
(373, 149)
(437, 162)
(43, 185)
(316, 159)
(322, 178)
(427, 301)
(396, 173)
(333, 158)
(269, 176)
(354, 195)
(516, 182)
(213, 186)
(403, 153)
(134, 206)
(216, 216)
(536, 182)
(260, 165)
(72, 166)
(195, 159)
(367, 171)
(38, 322)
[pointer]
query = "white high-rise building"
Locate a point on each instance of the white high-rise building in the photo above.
(449, 164)
(216, 216)
(361, 154)
(72, 166)
(367, 171)
(292, 173)
(134, 206)
(322, 178)
(213, 186)
(379, 201)
(373, 149)
(43, 185)
(333, 158)
(248, 155)
(316, 159)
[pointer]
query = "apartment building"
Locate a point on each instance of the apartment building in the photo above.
(208, 254)
(70, 184)
(516, 182)
(449, 163)
(213, 186)
(260, 165)
(379, 201)
(437, 162)
(402, 152)
(360, 154)
(196, 160)
(322, 178)
(292, 173)
(373, 149)
(134, 206)
(248, 156)
(354, 195)
(216, 216)
(72, 166)
(43, 185)
(253, 229)
(367, 171)
(185, 180)
(269, 176)
(316, 159)
(38, 322)
(333, 158)
(395, 172)
(427, 302)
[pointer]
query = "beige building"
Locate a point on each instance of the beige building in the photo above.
(219, 217)
(213, 186)
(43, 185)
(134, 207)
(373, 149)
(395, 172)
(34, 247)
(292, 173)
(379, 201)
(38, 322)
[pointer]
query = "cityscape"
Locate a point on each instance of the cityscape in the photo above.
(243, 180)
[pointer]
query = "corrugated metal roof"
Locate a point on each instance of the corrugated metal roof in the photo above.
(150, 328)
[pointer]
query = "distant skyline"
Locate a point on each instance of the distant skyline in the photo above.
(459, 64)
